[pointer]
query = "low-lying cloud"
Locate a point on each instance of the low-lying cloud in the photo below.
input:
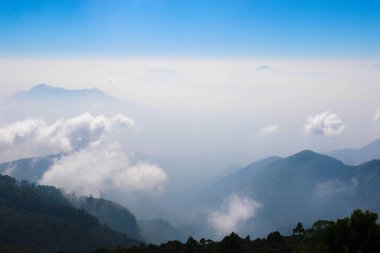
(325, 124)
(103, 167)
(233, 213)
(270, 129)
(92, 160)
(35, 137)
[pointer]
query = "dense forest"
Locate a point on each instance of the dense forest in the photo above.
(358, 233)
(35, 218)
(114, 215)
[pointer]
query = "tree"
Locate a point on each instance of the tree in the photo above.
(298, 230)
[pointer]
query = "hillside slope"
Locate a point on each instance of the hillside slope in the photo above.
(37, 218)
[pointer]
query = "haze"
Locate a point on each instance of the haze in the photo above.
(197, 90)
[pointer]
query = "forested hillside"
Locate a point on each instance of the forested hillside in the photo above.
(358, 233)
(114, 215)
(36, 218)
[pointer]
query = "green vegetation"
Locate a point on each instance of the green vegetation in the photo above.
(36, 218)
(114, 215)
(359, 233)
(158, 231)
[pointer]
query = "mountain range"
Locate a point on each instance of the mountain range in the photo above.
(300, 188)
(353, 156)
(303, 187)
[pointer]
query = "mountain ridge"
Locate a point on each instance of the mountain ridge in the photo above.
(48, 91)
(352, 156)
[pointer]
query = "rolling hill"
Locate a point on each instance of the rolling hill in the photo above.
(303, 187)
(36, 218)
(352, 156)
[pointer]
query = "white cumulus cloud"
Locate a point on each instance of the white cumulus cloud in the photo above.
(93, 159)
(232, 213)
(325, 124)
(270, 129)
(35, 137)
(102, 167)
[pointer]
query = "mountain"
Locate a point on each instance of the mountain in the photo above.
(116, 216)
(48, 92)
(238, 179)
(159, 231)
(36, 218)
(30, 169)
(357, 156)
(38, 101)
(303, 187)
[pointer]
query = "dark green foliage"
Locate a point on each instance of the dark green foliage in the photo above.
(158, 231)
(36, 218)
(298, 230)
(359, 233)
(114, 215)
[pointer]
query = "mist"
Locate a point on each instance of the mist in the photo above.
(154, 133)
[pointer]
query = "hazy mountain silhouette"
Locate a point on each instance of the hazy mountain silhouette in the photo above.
(49, 92)
(159, 231)
(52, 103)
(30, 169)
(352, 156)
(302, 187)
(116, 216)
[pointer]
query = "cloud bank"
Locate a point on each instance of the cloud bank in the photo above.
(325, 124)
(232, 213)
(35, 137)
(93, 161)
(103, 167)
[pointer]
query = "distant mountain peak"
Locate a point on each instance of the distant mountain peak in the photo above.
(39, 88)
(305, 153)
(263, 68)
(308, 155)
(375, 143)
(356, 156)
(44, 90)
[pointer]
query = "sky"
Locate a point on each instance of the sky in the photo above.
(190, 29)
(222, 83)
(262, 77)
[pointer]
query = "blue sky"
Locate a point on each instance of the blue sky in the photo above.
(186, 29)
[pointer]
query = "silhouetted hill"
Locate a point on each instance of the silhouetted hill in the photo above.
(30, 169)
(114, 215)
(357, 233)
(36, 218)
(50, 92)
(303, 187)
(352, 156)
(159, 231)
(237, 180)
(40, 100)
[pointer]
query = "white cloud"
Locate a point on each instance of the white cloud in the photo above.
(102, 167)
(377, 116)
(234, 211)
(35, 137)
(334, 188)
(270, 129)
(325, 123)
(93, 160)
